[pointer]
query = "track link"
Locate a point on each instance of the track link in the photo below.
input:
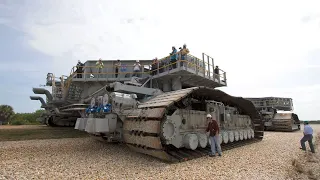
(142, 134)
(284, 125)
(150, 143)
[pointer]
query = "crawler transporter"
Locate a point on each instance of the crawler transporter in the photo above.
(160, 110)
(274, 120)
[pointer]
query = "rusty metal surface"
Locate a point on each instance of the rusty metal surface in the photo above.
(174, 97)
(133, 113)
(145, 126)
(155, 113)
(148, 141)
(155, 153)
(167, 99)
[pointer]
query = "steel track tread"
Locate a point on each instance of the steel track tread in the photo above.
(144, 141)
(145, 126)
(145, 121)
(173, 155)
(283, 129)
(284, 126)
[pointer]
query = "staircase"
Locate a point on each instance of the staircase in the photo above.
(73, 93)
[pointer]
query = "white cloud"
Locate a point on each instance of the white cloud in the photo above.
(261, 41)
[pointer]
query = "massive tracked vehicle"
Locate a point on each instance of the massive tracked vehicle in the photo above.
(160, 112)
(274, 120)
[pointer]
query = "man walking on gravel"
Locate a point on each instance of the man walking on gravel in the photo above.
(307, 132)
(213, 129)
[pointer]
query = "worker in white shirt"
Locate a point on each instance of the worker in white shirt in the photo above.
(136, 69)
(307, 132)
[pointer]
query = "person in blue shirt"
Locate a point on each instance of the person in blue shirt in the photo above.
(307, 132)
(173, 57)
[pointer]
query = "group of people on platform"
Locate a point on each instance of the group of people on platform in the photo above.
(99, 66)
(156, 66)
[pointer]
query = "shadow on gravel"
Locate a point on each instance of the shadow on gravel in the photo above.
(18, 134)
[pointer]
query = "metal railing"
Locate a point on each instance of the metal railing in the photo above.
(200, 67)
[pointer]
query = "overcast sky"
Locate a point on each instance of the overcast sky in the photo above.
(267, 48)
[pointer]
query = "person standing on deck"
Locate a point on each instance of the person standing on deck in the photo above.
(183, 52)
(173, 57)
(79, 70)
(213, 129)
(307, 132)
(117, 65)
(99, 66)
(217, 73)
(136, 69)
(154, 66)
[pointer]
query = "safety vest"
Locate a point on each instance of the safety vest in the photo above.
(99, 65)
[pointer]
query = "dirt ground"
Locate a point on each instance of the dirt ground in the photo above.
(28, 132)
(23, 127)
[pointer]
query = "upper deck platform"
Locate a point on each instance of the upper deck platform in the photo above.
(191, 70)
(279, 103)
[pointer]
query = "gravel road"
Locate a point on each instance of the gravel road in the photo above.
(85, 158)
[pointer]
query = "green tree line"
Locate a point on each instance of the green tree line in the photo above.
(8, 116)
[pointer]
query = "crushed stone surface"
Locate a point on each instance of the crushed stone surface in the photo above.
(86, 158)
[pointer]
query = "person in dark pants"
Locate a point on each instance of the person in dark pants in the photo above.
(173, 58)
(307, 132)
(154, 66)
(79, 70)
(216, 70)
(217, 73)
(118, 65)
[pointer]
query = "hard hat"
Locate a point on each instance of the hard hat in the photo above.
(137, 60)
(209, 116)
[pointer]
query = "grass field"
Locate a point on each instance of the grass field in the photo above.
(28, 132)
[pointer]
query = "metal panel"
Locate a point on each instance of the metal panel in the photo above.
(167, 99)
(164, 101)
(145, 126)
(132, 113)
(133, 89)
(148, 141)
(155, 113)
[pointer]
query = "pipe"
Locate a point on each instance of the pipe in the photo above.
(43, 91)
(44, 104)
(57, 111)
